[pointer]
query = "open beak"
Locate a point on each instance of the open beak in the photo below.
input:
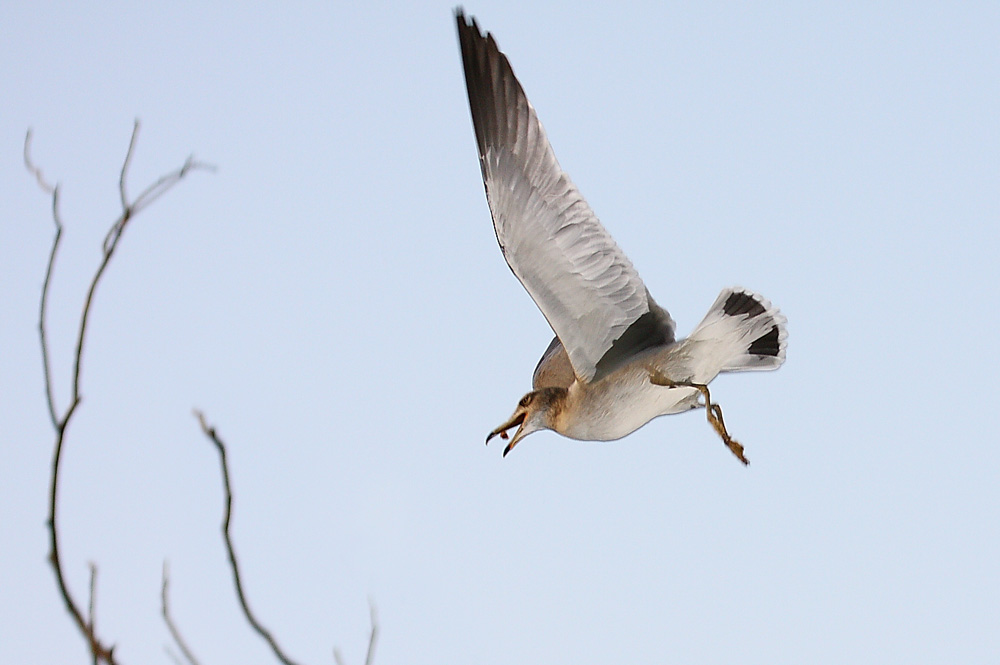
(517, 420)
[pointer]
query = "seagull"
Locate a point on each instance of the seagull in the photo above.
(615, 362)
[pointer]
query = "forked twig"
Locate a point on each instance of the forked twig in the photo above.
(98, 649)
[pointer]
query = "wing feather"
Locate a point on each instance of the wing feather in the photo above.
(582, 282)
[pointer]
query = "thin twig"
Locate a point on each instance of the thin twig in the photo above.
(176, 634)
(165, 182)
(91, 613)
(35, 171)
(372, 639)
(233, 565)
(98, 649)
(43, 307)
(43, 311)
(148, 195)
(370, 655)
(173, 656)
(125, 164)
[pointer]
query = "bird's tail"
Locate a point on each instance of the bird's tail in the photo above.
(742, 331)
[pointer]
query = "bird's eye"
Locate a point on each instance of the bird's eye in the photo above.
(526, 400)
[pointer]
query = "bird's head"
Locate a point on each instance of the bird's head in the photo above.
(536, 410)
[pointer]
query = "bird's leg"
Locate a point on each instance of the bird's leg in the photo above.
(712, 411)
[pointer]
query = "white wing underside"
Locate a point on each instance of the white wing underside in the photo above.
(580, 279)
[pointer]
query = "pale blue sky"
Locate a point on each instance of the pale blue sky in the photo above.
(334, 299)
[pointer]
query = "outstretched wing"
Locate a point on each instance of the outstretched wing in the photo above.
(582, 282)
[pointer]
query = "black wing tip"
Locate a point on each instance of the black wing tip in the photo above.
(492, 88)
(467, 25)
(476, 44)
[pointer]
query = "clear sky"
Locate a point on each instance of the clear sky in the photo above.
(334, 300)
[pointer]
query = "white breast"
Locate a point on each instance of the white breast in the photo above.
(609, 410)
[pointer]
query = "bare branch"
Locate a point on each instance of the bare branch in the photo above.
(173, 656)
(148, 195)
(98, 649)
(165, 182)
(160, 187)
(370, 655)
(176, 634)
(35, 171)
(43, 308)
(372, 639)
(91, 614)
(125, 164)
(233, 565)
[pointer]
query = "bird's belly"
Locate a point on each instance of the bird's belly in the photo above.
(610, 416)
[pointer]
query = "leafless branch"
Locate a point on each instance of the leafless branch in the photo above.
(227, 537)
(98, 649)
(43, 308)
(370, 655)
(91, 613)
(372, 639)
(126, 163)
(34, 170)
(173, 656)
(148, 195)
(171, 626)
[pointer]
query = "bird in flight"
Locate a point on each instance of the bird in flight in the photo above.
(615, 362)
